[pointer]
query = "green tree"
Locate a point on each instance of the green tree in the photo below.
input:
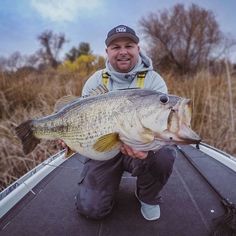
(74, 53)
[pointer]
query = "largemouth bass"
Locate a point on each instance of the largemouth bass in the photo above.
(96, 126)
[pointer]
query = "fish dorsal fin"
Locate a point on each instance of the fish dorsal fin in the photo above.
(64, 101)
(107, 142)
(100, 89)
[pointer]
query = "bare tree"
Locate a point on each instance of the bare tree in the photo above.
(32, 60)
(3, 63)
(52, 45)
(18, 61)
(182, 39)
(15, 61)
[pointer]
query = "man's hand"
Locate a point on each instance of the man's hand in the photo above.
(61, 144)
(127, 150)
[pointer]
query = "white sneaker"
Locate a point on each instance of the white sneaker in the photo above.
(149, 212)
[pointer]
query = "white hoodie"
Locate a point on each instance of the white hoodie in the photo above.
(127, 80)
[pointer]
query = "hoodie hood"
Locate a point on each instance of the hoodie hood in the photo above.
(144, 64)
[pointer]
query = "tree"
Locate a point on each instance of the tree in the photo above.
(15, 61)
(84, 65)
(52, 45)
(32, 60)
(74, 53)
(182, 39)
(3, 64)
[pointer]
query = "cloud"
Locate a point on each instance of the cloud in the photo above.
(60, 10)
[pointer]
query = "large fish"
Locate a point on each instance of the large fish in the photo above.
(95, 126)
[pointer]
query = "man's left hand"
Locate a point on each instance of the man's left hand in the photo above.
(127, 150)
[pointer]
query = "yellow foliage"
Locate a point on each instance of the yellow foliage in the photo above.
(84, 65)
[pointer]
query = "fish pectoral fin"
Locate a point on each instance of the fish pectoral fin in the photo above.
(64, 101)
(107, 142)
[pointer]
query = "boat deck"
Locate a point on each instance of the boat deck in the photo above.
(188, 208)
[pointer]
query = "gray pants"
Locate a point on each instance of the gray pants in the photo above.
(99, 181)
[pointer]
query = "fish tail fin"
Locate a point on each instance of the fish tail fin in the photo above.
(25, 134)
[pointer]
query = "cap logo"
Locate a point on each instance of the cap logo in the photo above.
(120, 29)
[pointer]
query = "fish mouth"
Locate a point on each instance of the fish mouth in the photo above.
(185, 133)
(187, 136)
(179, 125)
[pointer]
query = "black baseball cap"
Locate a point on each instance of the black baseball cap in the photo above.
(121, 31)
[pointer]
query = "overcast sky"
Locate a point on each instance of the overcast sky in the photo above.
(21, 21)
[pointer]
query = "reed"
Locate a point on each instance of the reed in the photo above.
(213, 110)
(31, 95)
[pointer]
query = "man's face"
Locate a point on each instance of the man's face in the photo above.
(123, 54)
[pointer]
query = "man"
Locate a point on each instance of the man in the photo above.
(126, 67)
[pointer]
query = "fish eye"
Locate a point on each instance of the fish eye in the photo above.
(164, 99)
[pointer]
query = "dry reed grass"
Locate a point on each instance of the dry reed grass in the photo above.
(214, 110)
(26, 96)
(23, 97)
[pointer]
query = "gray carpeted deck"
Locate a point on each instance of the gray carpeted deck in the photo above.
(188, 206)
